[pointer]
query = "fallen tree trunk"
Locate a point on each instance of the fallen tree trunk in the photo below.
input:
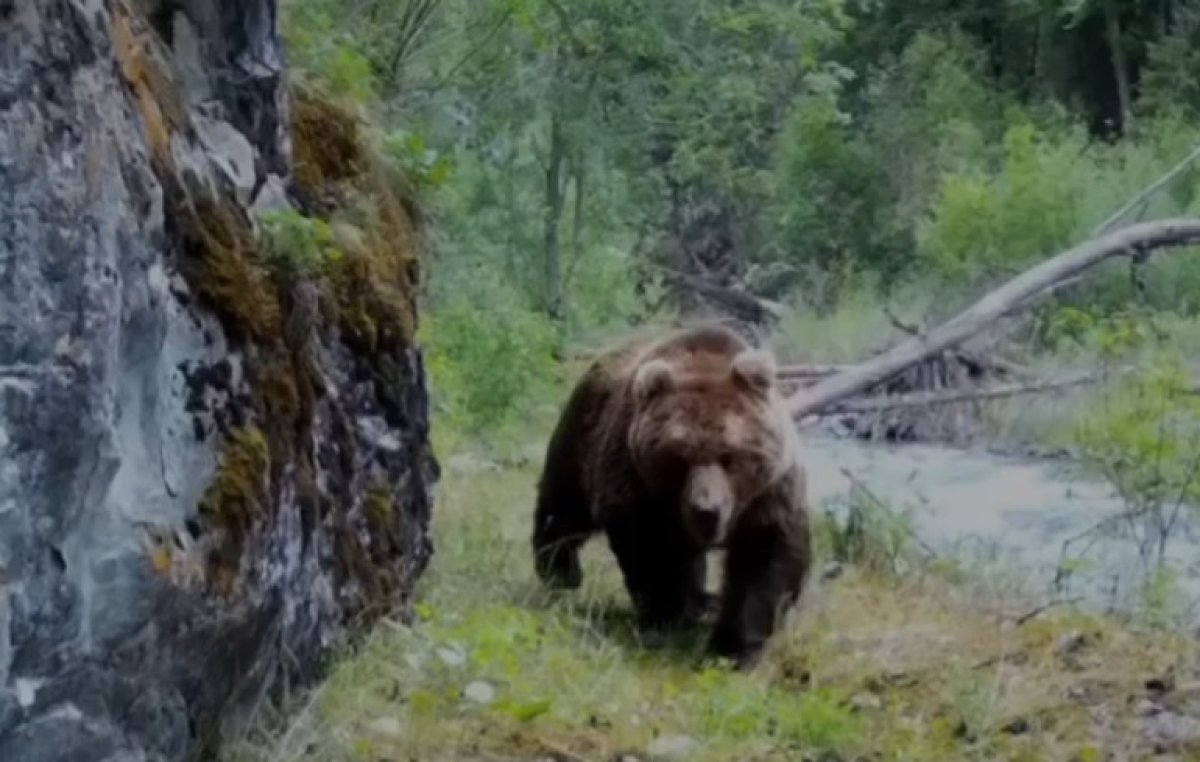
(805, 372)
(922, 399)
(1020, 291)
(739, 302)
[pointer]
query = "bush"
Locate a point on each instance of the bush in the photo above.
(490, 366)
(834, 204)
(325, 53)
(296, 245)
(1144, 438)
(991, 223)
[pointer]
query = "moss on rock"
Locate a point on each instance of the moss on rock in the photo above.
(237, 497)
(339, 173)
(225, 271)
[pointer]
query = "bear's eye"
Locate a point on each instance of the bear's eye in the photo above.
(725, 460)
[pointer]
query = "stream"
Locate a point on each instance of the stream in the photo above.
(1011, 513)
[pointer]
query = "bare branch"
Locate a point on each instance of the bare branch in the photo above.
(789, 372)
(923, 399)
(1149, 191)
(1021, 289)
(735, 299)
(1034, 613)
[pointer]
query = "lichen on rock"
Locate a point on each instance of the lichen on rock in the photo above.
(208, 467)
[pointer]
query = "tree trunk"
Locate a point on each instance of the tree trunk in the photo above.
(577, 181)
(554, 203)
(1112, 30)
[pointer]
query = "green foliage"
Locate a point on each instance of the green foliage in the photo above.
(422, 165)
(320, 49)
(873, 535)
(489, 366)
(997, 222)
(297, 245)
(833, 202)
(1144, 438)
(1171, 79)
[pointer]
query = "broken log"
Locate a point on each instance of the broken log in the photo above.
(739, 302)
(1021, 290)
(922, 399)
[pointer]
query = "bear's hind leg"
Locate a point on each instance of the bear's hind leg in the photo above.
(561, 525)
(663, 573)
(765, 571)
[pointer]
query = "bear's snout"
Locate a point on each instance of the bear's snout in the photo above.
(708, 503)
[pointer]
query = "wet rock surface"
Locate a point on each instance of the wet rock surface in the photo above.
(142, 609)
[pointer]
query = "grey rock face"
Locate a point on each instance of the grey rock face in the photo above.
(133, 625)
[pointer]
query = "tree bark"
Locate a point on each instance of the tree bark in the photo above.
(1112, 30)
(554, 202)
(1017, 293)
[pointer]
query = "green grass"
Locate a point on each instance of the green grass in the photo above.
(875, 665)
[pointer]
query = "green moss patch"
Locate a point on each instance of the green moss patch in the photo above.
(339, 172)
(237, 497)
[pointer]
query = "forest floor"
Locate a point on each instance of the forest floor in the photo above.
(928, 664)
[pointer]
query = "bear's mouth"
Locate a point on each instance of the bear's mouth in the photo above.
(708, 528)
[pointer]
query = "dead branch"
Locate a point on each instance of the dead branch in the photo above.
(922, 399)
(756, 308)
(1032, 614)
(1144, 196)
(1171, 232)
(815, 370)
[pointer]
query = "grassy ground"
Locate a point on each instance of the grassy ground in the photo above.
(876, 665)
(921, 661)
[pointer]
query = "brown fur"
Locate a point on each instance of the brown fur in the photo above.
(671, 447)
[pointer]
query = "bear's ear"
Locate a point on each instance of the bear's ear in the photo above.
(755, 368)
(652, 379)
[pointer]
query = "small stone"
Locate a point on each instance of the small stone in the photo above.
(385, 726)
(479, 691)
(1147, 708)
(670, 747)
(1071, 642)
(451, 656)
(27, 691)
(1167, 731)
(864, 702)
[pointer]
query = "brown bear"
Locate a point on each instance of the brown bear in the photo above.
(673, 447)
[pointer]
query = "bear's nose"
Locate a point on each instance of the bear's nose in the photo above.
(707, 520)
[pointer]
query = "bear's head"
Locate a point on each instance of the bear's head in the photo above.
(713, 433)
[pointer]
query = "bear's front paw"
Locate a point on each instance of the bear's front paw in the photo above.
(729, 645)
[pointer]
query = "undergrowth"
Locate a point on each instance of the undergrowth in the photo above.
(892, 656)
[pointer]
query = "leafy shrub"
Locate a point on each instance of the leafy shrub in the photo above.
(985, 223)
(833, 203)
(490, 365)
(1144, 438)
(425, 166)
(323, 51)
(296, 245)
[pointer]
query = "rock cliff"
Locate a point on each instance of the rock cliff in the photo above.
(211, 464)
